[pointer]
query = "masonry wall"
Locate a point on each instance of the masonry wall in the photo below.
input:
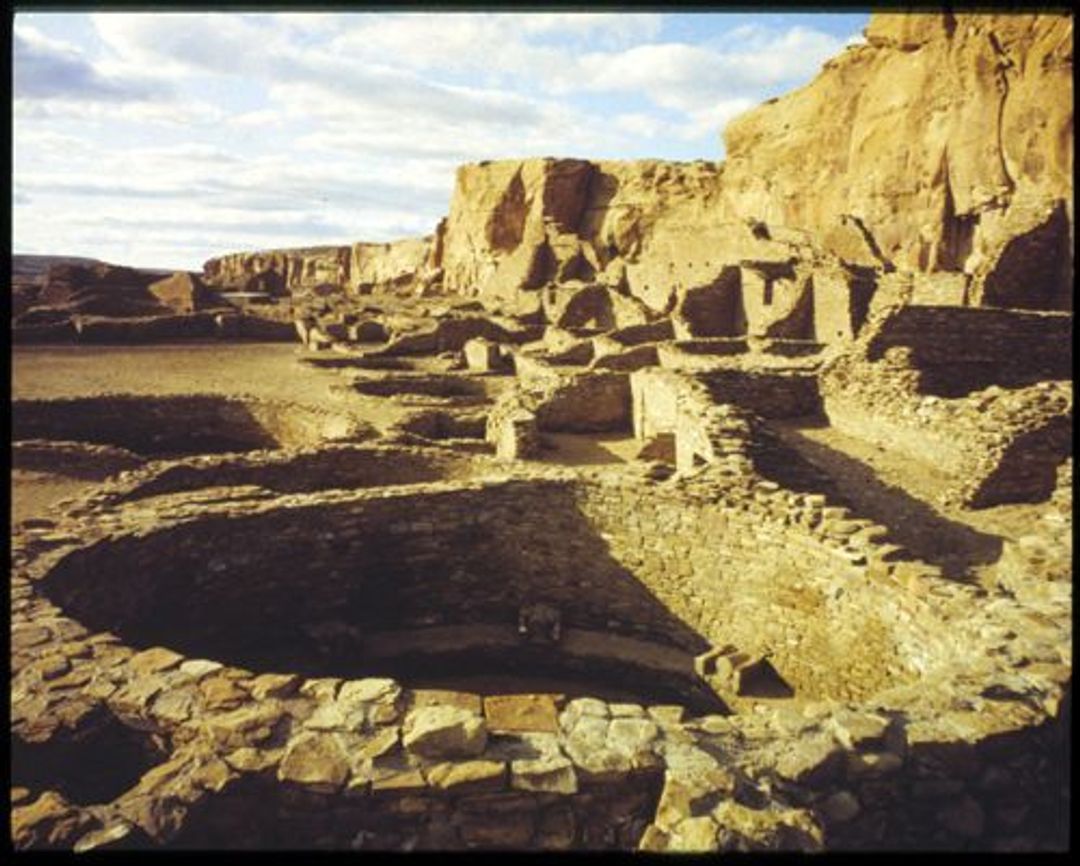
(999, 445)
(330, 467)
(770, 395)
(724, 563)
(456, 557)
(961, 349)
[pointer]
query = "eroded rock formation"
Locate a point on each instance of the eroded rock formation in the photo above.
(940, 150)
(942, 144)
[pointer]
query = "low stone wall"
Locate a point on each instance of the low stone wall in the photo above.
(73, 459)
(711, 414)
(450, 335)
(442, 426)
(1001, 445)
(329, 467)
(770, 394)
(190, 424)
(958, 350)
(155, 329)
(548, 400)
(60, 332)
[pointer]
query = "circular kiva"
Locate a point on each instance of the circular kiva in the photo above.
(160, 427)
(547, 660)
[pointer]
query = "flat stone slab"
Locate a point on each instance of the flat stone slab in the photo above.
(530, 713)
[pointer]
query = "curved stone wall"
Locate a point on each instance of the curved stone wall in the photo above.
(189, 424)
(943, 730)
(328, 467)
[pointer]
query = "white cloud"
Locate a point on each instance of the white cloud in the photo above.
(46, 68)
(163, 131)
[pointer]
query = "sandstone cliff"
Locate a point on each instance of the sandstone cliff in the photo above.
(942, 144)
(360, 268)
(279, 272)
(654, 236)
(931, 164)
(397, 266)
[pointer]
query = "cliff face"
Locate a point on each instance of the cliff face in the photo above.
(279, 272)
(941, 149)
(646, 228)
(360, 268)
(400, 265)
(945, 142)
(519, 224)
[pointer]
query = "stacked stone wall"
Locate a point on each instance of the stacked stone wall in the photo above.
(958, 350)
(962, 750)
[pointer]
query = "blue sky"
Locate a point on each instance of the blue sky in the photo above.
(161, 140)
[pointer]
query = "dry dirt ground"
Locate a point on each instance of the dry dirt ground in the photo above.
(263, 369)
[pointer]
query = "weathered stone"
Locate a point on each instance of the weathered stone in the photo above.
(468, 776)
(404, 780)
(521, 713)
(252, 722)
(856, 730)
(213, 775)
(654, 839)
(380, 743)
(154, 660)
(583, 707)
(811, 761)
(199, 667)
(249, 760)
(631, 735)
(745, 829)
(665, 715)
(463, 700)
(437, 732)
(26, 636)
(368, 690)
(108, 836)
(549, 775)
(48, 822)
(327, 717)
(221, 692)
(175, 705)
(53, 667)
(274, 686)
(315, 760)
(693, 835)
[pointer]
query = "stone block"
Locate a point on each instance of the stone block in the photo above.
(547, 775)
(535, 713)
(437, 732)
(483, 356)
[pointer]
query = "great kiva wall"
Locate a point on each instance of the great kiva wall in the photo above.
(713, 506)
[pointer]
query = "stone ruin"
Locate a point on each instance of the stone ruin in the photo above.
(766, 550)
